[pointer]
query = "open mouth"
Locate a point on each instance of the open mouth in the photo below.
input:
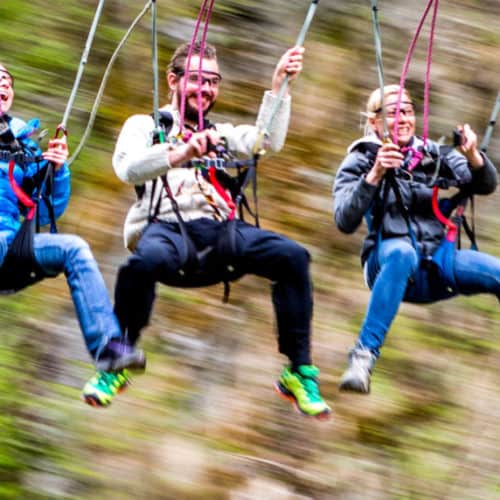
(4, 96)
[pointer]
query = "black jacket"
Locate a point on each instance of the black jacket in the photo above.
(354, 197)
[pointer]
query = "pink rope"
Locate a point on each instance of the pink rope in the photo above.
(203, 43)
(188, 61)
(205, 12)
(417, 156)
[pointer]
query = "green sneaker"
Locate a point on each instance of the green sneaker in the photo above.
(103, 386)
(302, 389)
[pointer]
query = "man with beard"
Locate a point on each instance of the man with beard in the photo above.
(183, 210)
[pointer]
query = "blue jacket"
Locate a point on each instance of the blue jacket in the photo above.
(10, 213)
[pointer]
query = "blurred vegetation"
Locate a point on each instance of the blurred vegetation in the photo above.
(203, 421)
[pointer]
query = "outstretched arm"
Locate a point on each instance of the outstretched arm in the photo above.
(289, 65)
(484, 175)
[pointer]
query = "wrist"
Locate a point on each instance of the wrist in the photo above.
(374, 176)
(177, 156)
(476, 160)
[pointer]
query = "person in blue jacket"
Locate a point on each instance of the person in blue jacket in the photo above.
(26, 258)
(407, 254)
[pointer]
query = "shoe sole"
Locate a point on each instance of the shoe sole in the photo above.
(350, 387)
(285, 394)
(135, 362)
(94, 402)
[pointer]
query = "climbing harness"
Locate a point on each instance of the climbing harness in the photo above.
(230, 188)
(442, 259)
(20, 268)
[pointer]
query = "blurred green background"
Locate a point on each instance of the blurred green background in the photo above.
(203, 422)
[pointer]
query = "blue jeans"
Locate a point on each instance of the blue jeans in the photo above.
(57, 253)
(392, 271)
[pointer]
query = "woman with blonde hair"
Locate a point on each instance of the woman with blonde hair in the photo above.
(387, 178)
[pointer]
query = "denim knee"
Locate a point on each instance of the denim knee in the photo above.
(400, 252)
(396, 253)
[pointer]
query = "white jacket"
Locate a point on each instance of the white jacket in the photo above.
(137, 161)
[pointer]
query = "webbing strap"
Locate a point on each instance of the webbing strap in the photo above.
(222, 193)
(17, 156)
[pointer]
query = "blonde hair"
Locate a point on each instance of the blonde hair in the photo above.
(374, 103)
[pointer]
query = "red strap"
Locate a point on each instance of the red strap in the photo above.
(222, 192)
(451, 234)
(21, 195)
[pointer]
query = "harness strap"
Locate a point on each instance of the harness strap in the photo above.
(190, 258)
(222, 192)
(21, 195)
(19, 157)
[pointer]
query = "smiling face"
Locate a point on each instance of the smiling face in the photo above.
(6, 90)
(210, 79)
(406, 122)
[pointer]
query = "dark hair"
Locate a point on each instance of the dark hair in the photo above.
(177, 63)
(4, 70)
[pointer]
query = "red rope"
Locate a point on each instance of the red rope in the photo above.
(21, 195)
(452, 232)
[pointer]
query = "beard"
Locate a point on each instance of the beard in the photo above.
(190, 112)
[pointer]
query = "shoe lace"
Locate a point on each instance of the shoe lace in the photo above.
(107, 379)
(311, 387)
(362, 361)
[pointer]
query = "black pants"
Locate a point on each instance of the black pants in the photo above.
(263, 253)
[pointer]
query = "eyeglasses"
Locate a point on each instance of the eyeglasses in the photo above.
(213, 80)
(4, 74)
(406, 110)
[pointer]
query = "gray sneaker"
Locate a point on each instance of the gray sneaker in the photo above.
(357, 377)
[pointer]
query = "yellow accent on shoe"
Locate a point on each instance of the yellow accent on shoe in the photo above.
(104, 386)
(302, 389)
